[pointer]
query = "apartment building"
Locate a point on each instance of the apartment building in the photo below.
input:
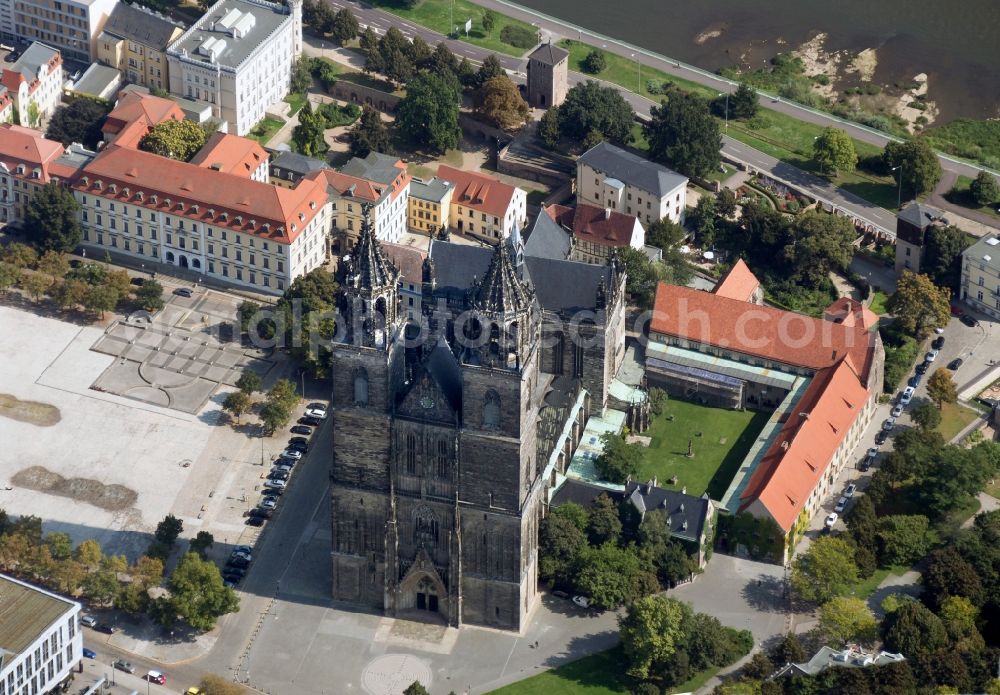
(134, 116)
(483, 206)
(40, 639)
(237, 59)
(34, 84)
(595, 233)
(609, 177)
(27, 162)
(135, 41)
(68, 25)
(981, 275)
(429, 205)
(286, 168)
(232, 154)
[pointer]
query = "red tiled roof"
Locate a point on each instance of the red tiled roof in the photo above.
(213, 197)
(409, 261)
(739, 283)
(850, 312)
(808, 440)
(345, 185)
(11, 79)
(761, 331)
(482, 193)
(594, 224)
(25, 146)
(135, 114)
(231, 154)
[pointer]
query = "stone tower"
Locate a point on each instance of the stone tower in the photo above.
(296, 9)
(548, 67)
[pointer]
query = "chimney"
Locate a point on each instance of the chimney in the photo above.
(607, 213)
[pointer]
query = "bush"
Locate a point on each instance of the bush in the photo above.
(336, 115)
(595, 62)
(822, 79)
(759, 122)
(654, 87)
(871, 89)
(518, 36)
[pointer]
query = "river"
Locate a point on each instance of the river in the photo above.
(957, 44)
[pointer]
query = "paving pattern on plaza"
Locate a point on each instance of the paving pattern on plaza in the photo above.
(177, 357)
(391, 674)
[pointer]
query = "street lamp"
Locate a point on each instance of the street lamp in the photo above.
(899, 192)
(727, 109)
(638, 65)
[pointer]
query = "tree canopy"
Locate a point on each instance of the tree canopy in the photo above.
(820, 243)
(619, 459)
(985, 189)
(743, 103)
(834, 151)
(50, 219)
(612, 576)
(595, 62)
(591, 107)
(825, 570)
(79, 121)
(919, 305)
(344, 26)
(941, 258)
(198, 594)
(683, 135)
(499, 100)
(651, 630)
(941, 387)
(370, 134)
(428, 115)
(920, 168)
(179, 140)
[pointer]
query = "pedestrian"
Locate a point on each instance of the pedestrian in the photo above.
(536, 644)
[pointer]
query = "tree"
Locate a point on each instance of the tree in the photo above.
(984, 189)
(489, 21)
(250, 382)
(416, 688)
(665, 233)
(19, 255)
(465, 73)
(560, 539)
(419, 52)
(919, 305)
(397, 64)
(822, 243)
(443, 61)
(595, 62)
(727, 203)
(309, 136)
(619, 460)
(147, 571)
(605, 525)
(174, 139)
(344, 26)
(150, 295)
(168, 530)
(651, 631)
(79, 121)
(284, 393)
(825, 570)
(9, 276)
(201, 543)
(100, 586)
(912, 629)
(237, 403)
(217, 685)
(68, 293)
(199, 596)
(948, 574)
(846, 618)
(499, 100)
(920, 169)
(548, 127)
(589, 106)
(743, 103)
(490, 68)
(89, 554)
(301, 78)
(50, 219)
(611, 576)
(36, 284)
(942, 255)
(119, 281)
(54, 263)
(666, 555)
(369, 45)
(683, 135)
(834, 150)
(926, 416)
(702, 218)
(274, 417)
(370, 134)
(862, 522)
(941, 387)
(428, 115)
(100, 299)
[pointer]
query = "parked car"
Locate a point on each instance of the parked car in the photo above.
(841, 505)
(183, 292)
(869, 459)
(969, 321)
(285, 461)
(955, 364)
(232, 576)
(931, 356)
(297, 440)
(88, 620)
(243, 549)
(238, 562)
(292, 454)
(275, 484)
(244, 555)
(938, 342)
(105, 628)
(194, 691)
(268, 503)
(898, 410)
(915, 380)
(89, 653)
(881, 437)
(255, 520)
(156, 677)
(281, 468)
(956, 310)
(923, 367)
(311, 421)
(278, 475)
(136, 281)
(850, 490)
(262, 513)
(582, 601)
(122, 665)
(316, 406)
(318, 413)
(907, 395)
(889, 424)
(831, 519)
(301, 429)
(299, 446)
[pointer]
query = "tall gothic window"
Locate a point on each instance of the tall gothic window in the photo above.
(491, 410)
(361, 387)
(411, 454)
(578, 361)
(425, 527)
(442, 458)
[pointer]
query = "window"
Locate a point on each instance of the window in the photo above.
(361, 387)
(491, 410)
(411, 454)
(442, 458)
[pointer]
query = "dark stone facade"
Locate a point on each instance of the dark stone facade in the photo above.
(438, 480)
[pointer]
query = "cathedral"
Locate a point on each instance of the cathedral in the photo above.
(448, 429)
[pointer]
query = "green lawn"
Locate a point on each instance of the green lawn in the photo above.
(296, 101)
(438, 15)
(955, 418)
(866, 588)
(959, 195)
(368, 81)
(696, 682)
(725, 438)
(265, 129)
(598, 674)
(719, 175)
(879, 302)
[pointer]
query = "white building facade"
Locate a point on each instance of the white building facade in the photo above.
(238, 59)
(40, 638)
(981, 275)
(35, 83)
(69, 25)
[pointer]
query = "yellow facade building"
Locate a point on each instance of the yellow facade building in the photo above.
(135, 40)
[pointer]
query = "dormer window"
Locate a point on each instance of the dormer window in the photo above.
(113, 187)
(253, 224)
(302, 216)
(126, 192)
(312, 205)
(239, 219)
(293, 227)
(211, 213)
(98, 184)
(225, 216)
(20, 170)
(180, 206)
(166, 201)
(86, 179)
(140, 195)
(194, 208)
(153, 199)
